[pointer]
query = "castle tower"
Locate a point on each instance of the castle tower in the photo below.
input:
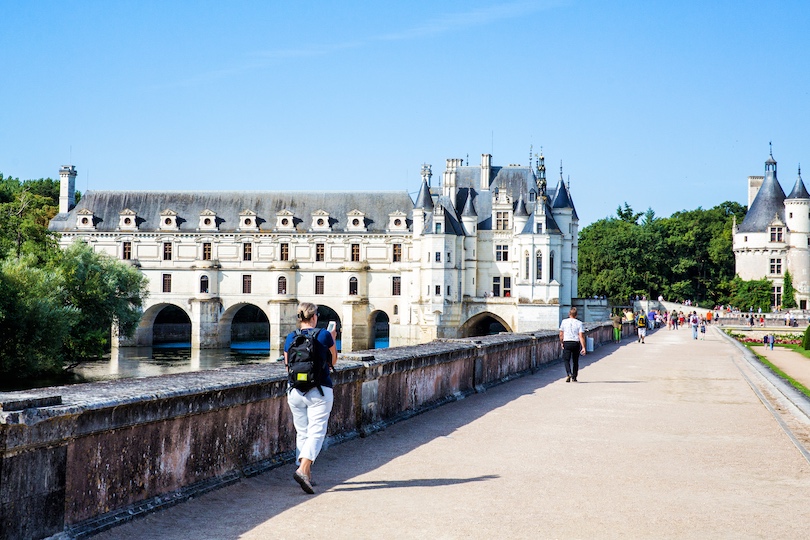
(797, 219)
(67, 188)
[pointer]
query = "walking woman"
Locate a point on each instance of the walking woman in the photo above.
(572, 339)
(310, 408)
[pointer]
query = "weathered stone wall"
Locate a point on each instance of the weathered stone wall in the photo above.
(83, 458)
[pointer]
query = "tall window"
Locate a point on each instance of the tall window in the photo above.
(502, 221)
(204, 284)
(438, 228)
(507, 286)
(396, 286)
(777, 296)
(207, 251)
(438, 290)
(501, 253)
(282, 285)
(776, 234)
(397, 257)
(247, 284)
(438, 256)
(551, 266)
(127, 252)
(247, 251)
(319, 252)
(449, 258)
(538, 259)
(355, 252)
(526, 265)
(496, 286)
(352, 286)
(167, 283)
(776, 267)
(285, 252)
(319, 285)
(167, 251)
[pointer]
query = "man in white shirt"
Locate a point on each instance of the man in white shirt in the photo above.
(572, 340)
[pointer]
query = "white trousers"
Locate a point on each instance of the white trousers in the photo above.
(310, 413)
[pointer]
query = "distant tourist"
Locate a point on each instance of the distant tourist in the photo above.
(617, 327)
(572, 339)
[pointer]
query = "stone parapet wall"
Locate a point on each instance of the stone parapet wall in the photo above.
(82, 458)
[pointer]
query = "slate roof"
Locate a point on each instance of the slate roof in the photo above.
(107, 205)
(769, 203)
(799, 191)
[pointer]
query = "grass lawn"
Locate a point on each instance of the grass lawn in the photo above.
(793, 382)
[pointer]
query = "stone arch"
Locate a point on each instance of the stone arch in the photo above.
(483, 324)
(379, 323)
(245, 323)
(165, 324)
(326, 314)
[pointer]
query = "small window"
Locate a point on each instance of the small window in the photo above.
(449, 260)
(438, 290)
(355, 252)
(167, 251)
(204, 284)
(247, 251)
(501, 253)
(448, 290)
(352, 286)
(319, 285)
(496, 286)
(396, 310)
(247, 284)
(502, 221)
(776, 266)
(396, 286)
(127, 251)
(507, 286)
(167, 283)
(285, 252)
(538, 259)
(776, 234)
(438, 256)
(397, 254)
(319, 252)
(207, 252)
(438, 228)
(282, 285)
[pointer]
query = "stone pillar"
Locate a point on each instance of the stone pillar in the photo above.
(205, 331)
(281, 314)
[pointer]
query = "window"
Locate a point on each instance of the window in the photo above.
(551, 267)
(319, 252)
(776, 234)
(247, 251)
(207, 251)
(496, 286)
(776, 267)
(507, 286)
(449, 259)
(397, 257)
(438, 256)
(526, 265)
(502, 221)
(285, 252)
(319, 285)
(539, 228)
(247, 283)
(396, 286)
(448, 290)
(127, 251)
(777, 296)
(438, 290)
(791, 214)
(282, 285)
(167, 251)
(355, 252)
(396, 310)
(167, 283)
(438, 228)
(501, 253)
(352, 286)
(204, 284)
(538, 259)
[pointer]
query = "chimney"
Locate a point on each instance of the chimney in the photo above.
(486, 171)
(67, 188)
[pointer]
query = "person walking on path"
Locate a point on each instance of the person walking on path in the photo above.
(572, 340)
(311, 408)
(694, 321)
(617, 327)
(641, 326)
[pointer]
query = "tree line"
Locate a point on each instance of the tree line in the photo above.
(56, 306)
(687, 256)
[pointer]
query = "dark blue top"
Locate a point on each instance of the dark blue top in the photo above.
(326, 341)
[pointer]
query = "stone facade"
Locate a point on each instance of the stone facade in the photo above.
(774, 237)
(489, 249)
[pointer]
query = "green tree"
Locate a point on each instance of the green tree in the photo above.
(753, 294)
(101, 290)
(788, 292)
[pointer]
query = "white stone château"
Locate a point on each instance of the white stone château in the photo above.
(490, 249)
(774, 237)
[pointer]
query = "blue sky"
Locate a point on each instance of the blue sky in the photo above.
(668, 105)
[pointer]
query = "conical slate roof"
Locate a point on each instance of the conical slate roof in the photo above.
(469, 207)
(799, 191)
(424, 200)
(769, 203)
(520, 209)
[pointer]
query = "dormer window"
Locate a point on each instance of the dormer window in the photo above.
(248, 221)
(208, 220)
(320, 221)
(397, 221)
(168, 220)
(777, 234)
(85, 219)
(285, 221)
(127, 220)
(356, 221)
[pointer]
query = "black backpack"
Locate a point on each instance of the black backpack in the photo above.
(305, 361)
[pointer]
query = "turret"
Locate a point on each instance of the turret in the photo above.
(424, 202)
(521, 215)
(67, 188)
